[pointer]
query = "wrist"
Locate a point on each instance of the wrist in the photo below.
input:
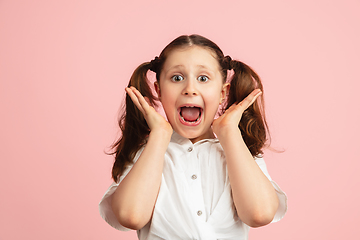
(230, 135)
(225, 131)
(161, 133)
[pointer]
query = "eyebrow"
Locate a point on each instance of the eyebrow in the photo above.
(177, 66)
(182, 66)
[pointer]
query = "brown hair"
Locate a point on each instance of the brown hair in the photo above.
(134, 128)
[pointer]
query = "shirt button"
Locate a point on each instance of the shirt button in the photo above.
(199, 213)
(190, 149)
(193, 177)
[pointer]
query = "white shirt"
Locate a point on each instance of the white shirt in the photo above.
(194, 200)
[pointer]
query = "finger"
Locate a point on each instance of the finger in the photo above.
(144, 104)
(134, 99)
(250, 99)
(256, 95)
(148, 101)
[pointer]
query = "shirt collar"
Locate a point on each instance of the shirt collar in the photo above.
(177, 138)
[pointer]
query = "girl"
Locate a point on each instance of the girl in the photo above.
(190, 176)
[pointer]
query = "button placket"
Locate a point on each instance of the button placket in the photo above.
(194, 181)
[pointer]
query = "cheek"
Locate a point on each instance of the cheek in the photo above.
(167, 96)
(168, 103)
(212, 94)
(212, 102)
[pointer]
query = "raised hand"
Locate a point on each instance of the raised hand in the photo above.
(154, 120)
(135, 197)
(231, 118)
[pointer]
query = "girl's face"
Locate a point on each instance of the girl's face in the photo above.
(190, 89)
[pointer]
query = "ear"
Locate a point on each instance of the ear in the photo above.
(157, 89)
(224, 92)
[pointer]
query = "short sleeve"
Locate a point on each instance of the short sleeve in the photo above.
(105, 204)
(280, 213)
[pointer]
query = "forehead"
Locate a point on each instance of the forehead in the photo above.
(191, 56)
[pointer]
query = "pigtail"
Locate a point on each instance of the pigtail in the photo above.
(132, 124)
(253, 124)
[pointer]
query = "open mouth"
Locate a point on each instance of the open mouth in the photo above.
(190, 115)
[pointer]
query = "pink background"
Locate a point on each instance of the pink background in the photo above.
(63, 69)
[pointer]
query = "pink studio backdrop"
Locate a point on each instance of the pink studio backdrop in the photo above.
(63, 69)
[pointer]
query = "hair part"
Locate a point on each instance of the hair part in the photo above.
(133, 126)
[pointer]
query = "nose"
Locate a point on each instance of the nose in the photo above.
(190, 88)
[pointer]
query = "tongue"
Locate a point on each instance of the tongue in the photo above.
(190, 114)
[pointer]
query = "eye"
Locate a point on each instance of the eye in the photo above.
(177, 78)
(203, 78)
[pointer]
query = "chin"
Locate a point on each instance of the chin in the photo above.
(187, 135)
(195, 136)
